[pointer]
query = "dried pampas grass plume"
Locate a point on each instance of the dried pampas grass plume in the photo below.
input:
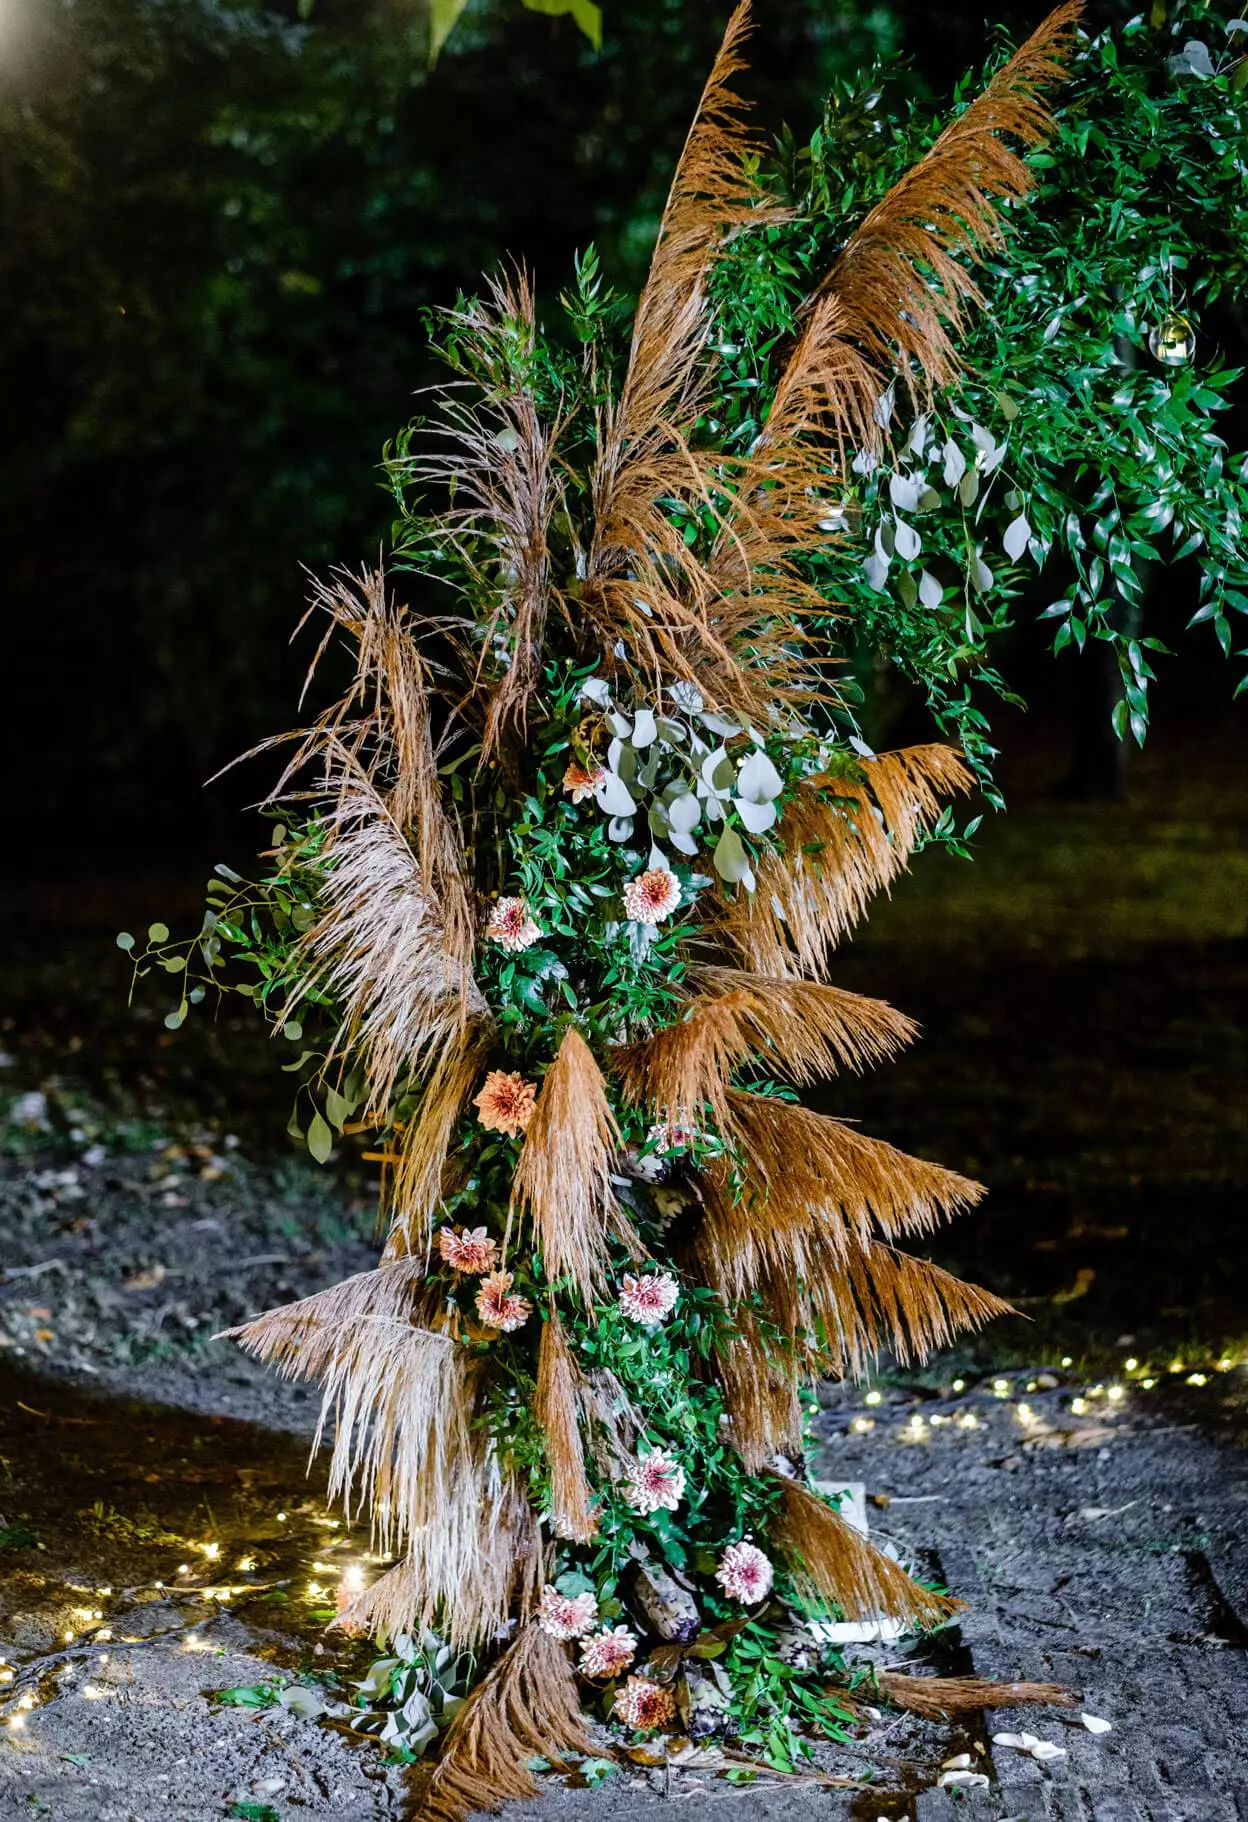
(842, 839)
(384, 951)
(898, 292)
(526, 1707)
(834, 1566)
(465, 1571)
(420, 1175)
(559, 1399)
(934, 1697)
(302, 1339)
(800, 1030)
(563, 1177)
(493, 460)
(806, 1173)
(761, 1395)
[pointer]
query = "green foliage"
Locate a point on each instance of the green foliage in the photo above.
(1067, 446)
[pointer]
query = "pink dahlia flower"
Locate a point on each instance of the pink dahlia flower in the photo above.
(644, 1705)
(505, 1103)
(566, 1616)
(652, 896)
(498, 1308)
(580, 780)
(744, 1573)
(470, 1250)
(649, 1300)
(655, 1480)
(511, 927)
(608, 1652)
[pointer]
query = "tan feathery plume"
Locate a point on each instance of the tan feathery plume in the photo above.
(401, 1400)
(834, 1566)
(465, 1570)
(384, 952)
(493, 459)
(799, 1030)
(897, 294)
(893, 303)
(526, 1707)
(809, 1175)
(877, 1299)
(761, 1394)
(563, 1177)
(558, 1411)
(301, 1339)
(643, 583)
(934, 1697)
(842, 839)
(420, 1169)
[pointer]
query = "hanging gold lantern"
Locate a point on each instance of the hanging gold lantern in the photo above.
(1172, 341)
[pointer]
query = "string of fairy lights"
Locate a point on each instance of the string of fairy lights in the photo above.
(325, 1583)
(322, 1584)
(1135, 1375)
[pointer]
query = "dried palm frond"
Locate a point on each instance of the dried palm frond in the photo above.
(526, 1707)
(801, 1030)
(762, 1396)
(893, 302)
(463, 1574)
(842, 839)
(808, 1175)
(833, 1565)
(880, 1299)
(384, 951)
(936, 1696)
(558, 1411)
(493, 458)
(897, 294)
(420, 1172)
(563, 1177)
(301, 1339)
(643, 583)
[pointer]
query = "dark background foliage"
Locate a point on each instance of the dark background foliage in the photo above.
(219, 224)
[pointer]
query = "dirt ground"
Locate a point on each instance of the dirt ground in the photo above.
(1077, 1475)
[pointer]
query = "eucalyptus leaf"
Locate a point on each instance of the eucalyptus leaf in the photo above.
(758, 781)
(612, 795)
(955, 464)
(906, 540)
(931, 594)
(730, 859)
(1015, 540)
(757, 816)
(904, 491)
(645, 727)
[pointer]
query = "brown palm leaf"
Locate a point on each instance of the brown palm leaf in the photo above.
(799, 1030)
(493, 459)
(761, 1394)
(558, 1411)
(420, 1170)
(934, 1697)
(301, 1339)
(526, 1707)
(563, 1177)
(464, 1571)
(386, 950)
(809, 1178)
(879, 1299)
(843, 838)
(834, 1566)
